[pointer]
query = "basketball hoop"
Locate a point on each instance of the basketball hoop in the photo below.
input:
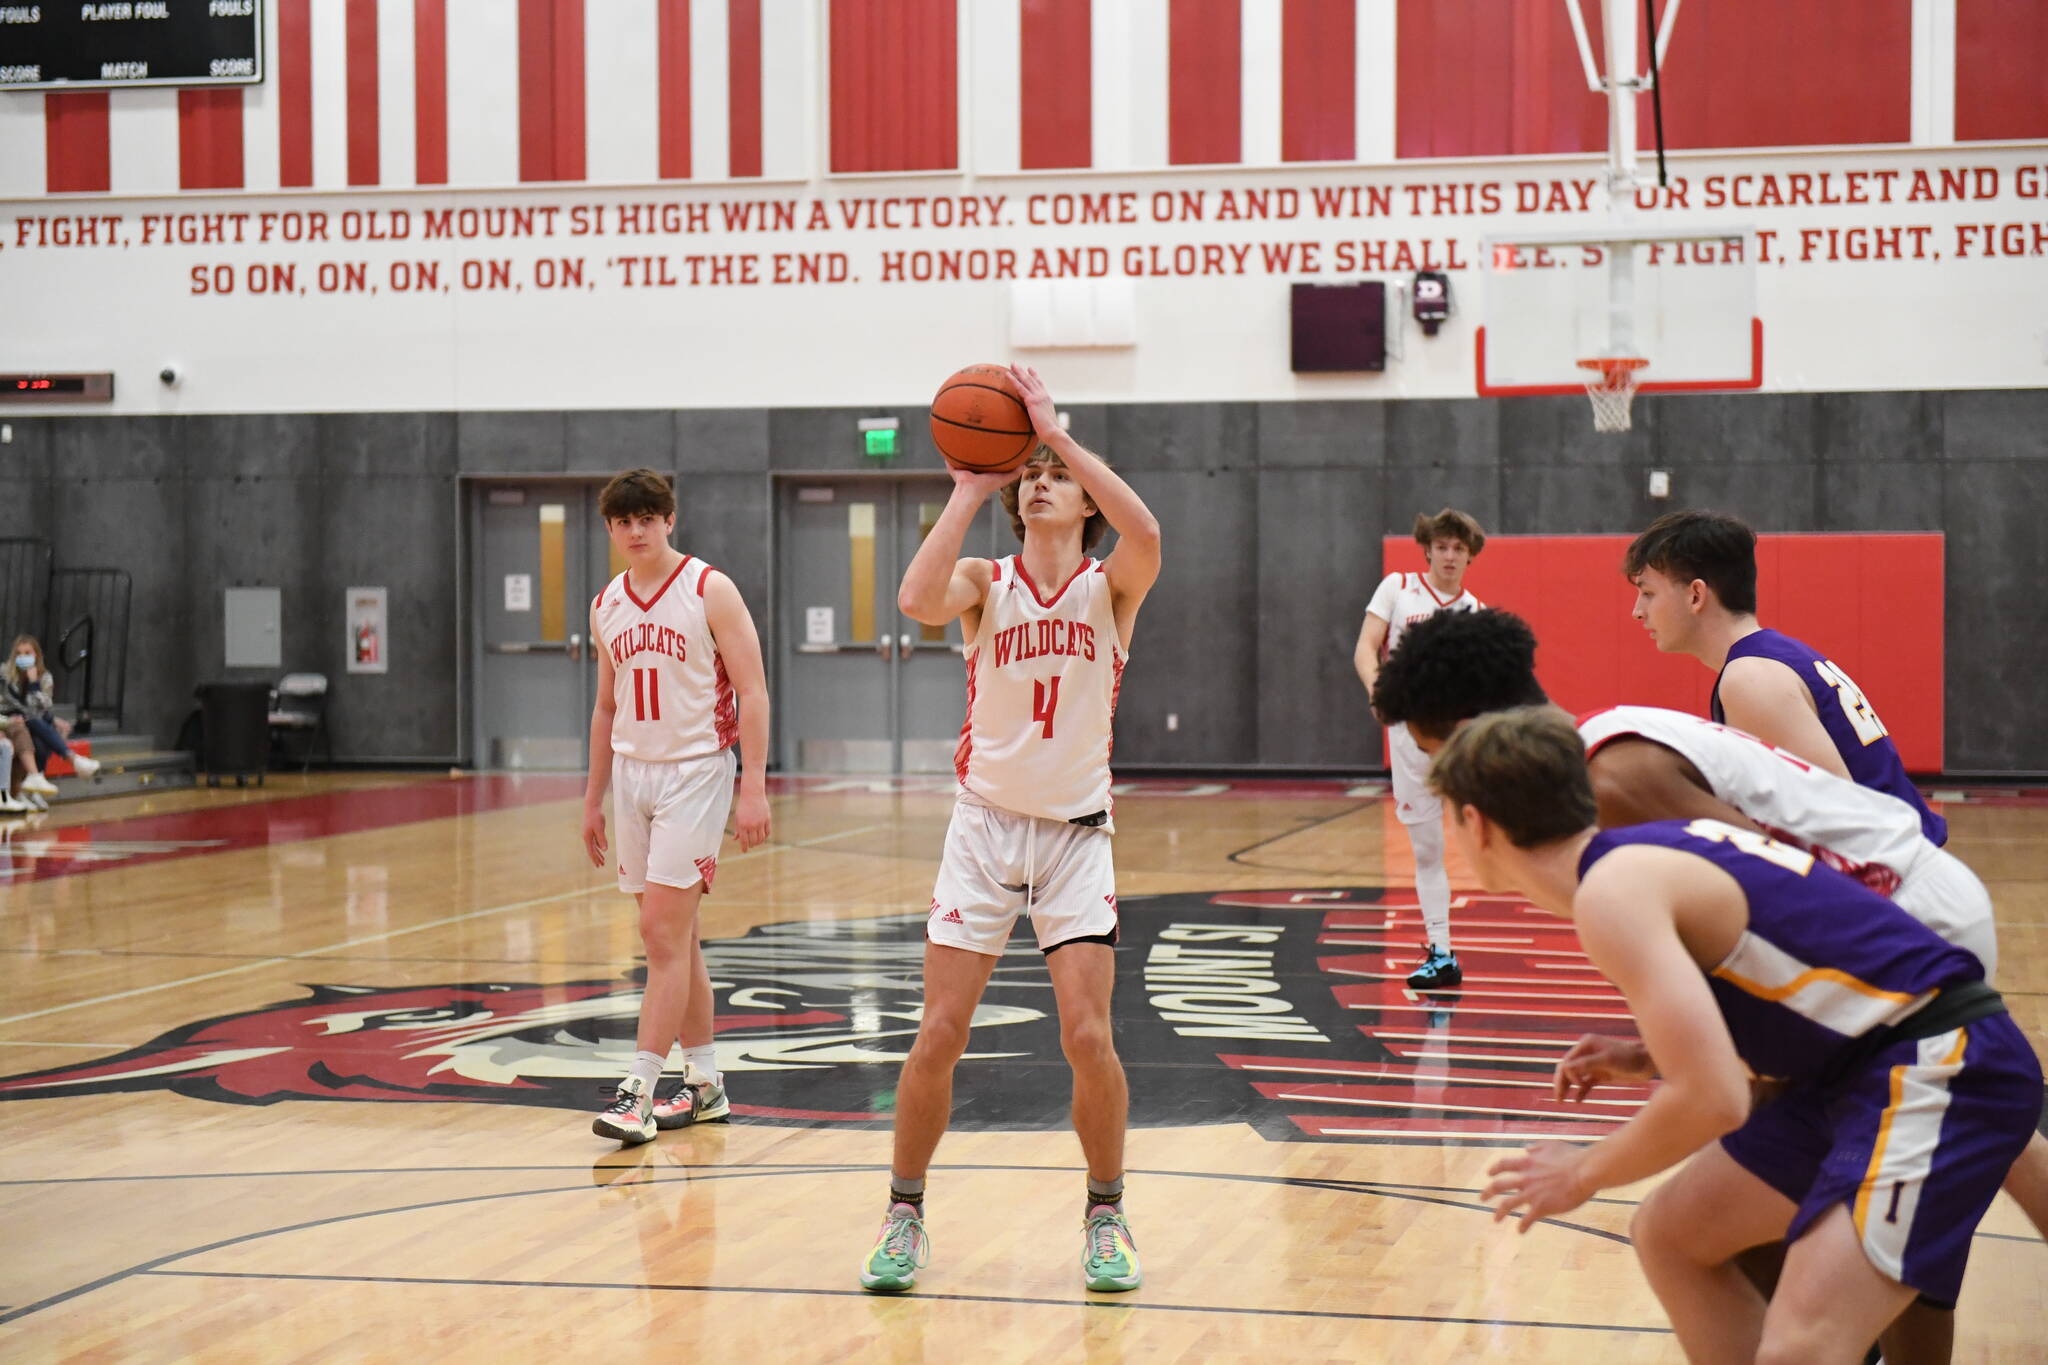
(1611, 384)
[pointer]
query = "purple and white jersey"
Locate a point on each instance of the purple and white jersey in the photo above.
(1824, 959)
(1860, 737)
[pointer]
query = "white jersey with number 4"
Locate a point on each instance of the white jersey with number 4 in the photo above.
(669, 685)
(1042, 678)
(1402, 599)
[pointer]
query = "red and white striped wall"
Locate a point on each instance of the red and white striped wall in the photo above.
(399, 93)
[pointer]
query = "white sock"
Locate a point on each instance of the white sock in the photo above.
(647, 1066)
(1432, 883)
(704, 1061)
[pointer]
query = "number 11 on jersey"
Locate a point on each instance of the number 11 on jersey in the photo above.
(1045, 699)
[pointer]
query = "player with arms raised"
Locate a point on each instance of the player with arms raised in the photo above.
(1048, 631)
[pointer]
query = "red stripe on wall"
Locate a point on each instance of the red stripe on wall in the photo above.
(1739, 73)
(743, 87)
(570, 145)
(551, 143)
(362, 92)
(1056, 112)
(1204, 82)
(75, 142)
(430, 91)
(672, 56)
(895, 85)
(2001, 53)
(294, 93)
(1318, 80)
(210, 139)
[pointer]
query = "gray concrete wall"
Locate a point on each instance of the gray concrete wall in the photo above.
(1273, 513)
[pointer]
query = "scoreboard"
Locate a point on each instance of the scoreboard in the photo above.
(68, 45)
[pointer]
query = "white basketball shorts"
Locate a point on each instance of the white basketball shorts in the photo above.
(670, 819)
(1942, 892)
(998, 863)
(1414, 802)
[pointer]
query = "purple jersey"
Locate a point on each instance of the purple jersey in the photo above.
(1860, 737)
(1824, 959)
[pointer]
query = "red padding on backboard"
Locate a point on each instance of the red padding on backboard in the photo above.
(1872, 603)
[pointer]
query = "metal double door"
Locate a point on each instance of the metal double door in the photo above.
(539, 554)
(863, 688)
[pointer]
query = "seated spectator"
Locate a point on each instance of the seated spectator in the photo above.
(27, 695)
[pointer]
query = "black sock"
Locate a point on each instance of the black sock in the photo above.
(1110, 1192)
(909, 1192)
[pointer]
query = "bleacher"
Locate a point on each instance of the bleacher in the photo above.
(81, 617)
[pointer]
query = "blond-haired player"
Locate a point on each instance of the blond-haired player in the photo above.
(1047, 634)
(679, 681)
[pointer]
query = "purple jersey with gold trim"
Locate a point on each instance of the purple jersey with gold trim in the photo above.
(1823, 960)
(1860, 737)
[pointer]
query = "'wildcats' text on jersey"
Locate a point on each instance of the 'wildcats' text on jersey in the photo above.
(672, 698)
(1042, 679)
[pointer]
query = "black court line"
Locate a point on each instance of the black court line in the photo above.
(657, 1175)
(1128, 1305)
(1239, 858)
(1382, 1187)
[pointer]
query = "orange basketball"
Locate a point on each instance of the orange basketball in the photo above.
(979, 422)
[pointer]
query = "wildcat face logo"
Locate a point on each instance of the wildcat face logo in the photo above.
(1282, 1009)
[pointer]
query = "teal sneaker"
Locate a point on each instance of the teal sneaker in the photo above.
(901, 1250)
(1109, 1260)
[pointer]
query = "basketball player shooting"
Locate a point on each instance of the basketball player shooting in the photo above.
(1450, 541)
(1048, 631)
(679, 681)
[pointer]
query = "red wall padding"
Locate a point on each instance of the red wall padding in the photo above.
(2001, 70)
(1477, 78)
(895, 85)
(1871, 603)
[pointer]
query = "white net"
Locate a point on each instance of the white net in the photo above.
(1611, 384)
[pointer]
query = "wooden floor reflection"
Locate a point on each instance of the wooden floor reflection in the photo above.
(305, 1074)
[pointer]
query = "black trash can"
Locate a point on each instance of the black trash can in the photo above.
(235, 731)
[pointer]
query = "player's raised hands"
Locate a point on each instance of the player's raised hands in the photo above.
(1045, 418)
(1596, 1060)
(1537, 1183)
(982, 483)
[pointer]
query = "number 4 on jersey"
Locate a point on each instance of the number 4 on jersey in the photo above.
(1045, 699)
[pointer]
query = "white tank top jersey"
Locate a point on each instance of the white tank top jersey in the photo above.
(1402, 599)
(1042, 679)
(1874, 837)
(674, 700)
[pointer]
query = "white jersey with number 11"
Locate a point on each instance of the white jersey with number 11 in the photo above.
(1042, 677)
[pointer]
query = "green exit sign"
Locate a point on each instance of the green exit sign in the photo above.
(881, 444)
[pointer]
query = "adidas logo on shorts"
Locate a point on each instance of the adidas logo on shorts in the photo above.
(951, 917)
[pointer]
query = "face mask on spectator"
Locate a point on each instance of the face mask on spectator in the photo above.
(24, 661)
